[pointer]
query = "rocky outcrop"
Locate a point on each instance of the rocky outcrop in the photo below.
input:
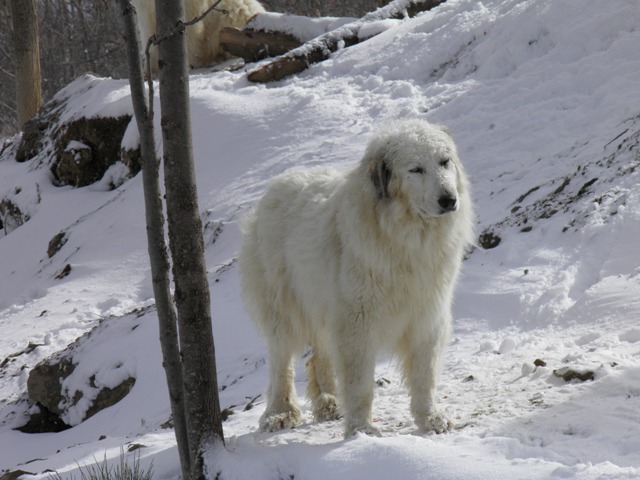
(79, 139)
(87, 147)
(78, 150)
(45, 383)
(11, 216)
(68, 391)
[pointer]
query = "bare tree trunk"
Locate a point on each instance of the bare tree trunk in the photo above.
(27, 59)
(155, 237)
(185, 240)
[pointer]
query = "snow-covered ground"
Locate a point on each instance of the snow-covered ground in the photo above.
(543, 99)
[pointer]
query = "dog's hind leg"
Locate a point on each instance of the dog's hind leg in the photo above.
(282, 410)
(321, 387)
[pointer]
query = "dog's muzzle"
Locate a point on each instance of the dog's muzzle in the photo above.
(448, 203)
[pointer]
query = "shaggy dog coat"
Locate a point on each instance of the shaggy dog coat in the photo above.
(354, 263)
(203, 42)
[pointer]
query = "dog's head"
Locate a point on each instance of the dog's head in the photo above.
(415, 162)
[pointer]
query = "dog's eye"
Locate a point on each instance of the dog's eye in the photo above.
(419, 170)
(445, 162)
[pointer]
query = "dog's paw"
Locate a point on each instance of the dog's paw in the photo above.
(367, 429)
(435, 423)
(325, 408)
(272, 422)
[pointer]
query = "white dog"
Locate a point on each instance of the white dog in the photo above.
(203, 42)
(353, 263)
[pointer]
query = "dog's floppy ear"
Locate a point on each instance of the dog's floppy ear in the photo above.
(380, 177)
(445, 129)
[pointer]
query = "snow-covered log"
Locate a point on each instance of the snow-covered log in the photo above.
(321, 47)
(252, 45)
(271, 34)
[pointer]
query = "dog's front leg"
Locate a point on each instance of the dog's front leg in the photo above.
(421, 361)
(356, 365)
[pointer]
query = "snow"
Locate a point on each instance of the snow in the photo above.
(541, 97)
(303, 28)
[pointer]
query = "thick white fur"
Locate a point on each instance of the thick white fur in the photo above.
(203, 43)
(354, 263)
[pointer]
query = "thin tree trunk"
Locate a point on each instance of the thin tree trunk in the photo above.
(185, 240)
(155, 237)
(27, 59)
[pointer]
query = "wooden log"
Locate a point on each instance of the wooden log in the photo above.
(322, 47)
(286, 65)
(252, 45)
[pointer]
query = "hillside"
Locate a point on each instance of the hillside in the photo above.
(542, 99)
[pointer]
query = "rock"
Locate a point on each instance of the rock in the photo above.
(569, 374)
(539, 363)
(66, 270)
(49, 386)
(14, 474)
(110, 396)
(44, 382)
(87, 147)
(11, 216)
(489, 240)
(79, 150)
(56, 243)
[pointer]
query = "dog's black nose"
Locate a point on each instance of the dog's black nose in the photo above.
(447, 202)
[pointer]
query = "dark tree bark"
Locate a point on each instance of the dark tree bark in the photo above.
(27, 59)
(155, 236)
(322, 47)
(202, 405)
